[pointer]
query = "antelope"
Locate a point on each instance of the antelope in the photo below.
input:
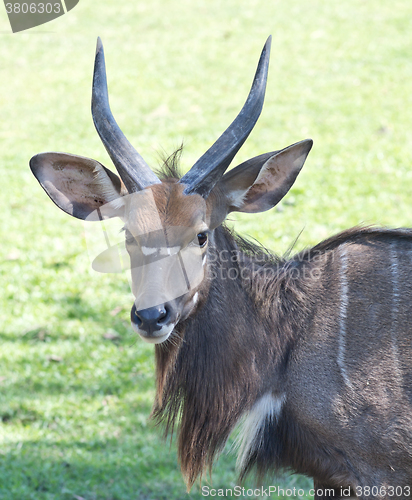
(310, 354)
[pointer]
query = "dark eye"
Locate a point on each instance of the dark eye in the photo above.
(202, 239)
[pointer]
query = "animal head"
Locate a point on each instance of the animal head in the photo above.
(169, 224)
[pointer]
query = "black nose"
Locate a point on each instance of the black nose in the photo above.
(151, 319)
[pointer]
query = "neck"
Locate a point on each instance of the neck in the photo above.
(233, 351)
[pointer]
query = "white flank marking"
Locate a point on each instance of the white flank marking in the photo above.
(395, 309)
(344, 300)
(268, 407)
(395, 281)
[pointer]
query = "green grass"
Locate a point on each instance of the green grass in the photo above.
(74, 404)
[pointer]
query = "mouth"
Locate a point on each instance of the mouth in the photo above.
(156, 324)
(156, 337)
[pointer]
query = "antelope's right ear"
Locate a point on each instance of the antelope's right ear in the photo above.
(78, 185)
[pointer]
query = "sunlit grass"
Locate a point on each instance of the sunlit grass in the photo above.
(76, 385)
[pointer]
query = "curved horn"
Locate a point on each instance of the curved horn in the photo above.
(133, 170)
(209, 168)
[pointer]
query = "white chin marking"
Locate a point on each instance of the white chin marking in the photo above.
(158, 337)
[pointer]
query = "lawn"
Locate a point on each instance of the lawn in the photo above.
(76, 385)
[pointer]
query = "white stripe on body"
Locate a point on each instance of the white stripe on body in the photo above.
(343, 311)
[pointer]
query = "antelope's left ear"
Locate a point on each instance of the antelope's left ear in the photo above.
(261, 182)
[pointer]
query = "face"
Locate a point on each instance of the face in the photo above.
(167, 231)
(167, 236)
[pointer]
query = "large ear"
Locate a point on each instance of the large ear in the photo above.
(261, 182)
(78, 185)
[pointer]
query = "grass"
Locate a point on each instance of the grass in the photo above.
(76, 386)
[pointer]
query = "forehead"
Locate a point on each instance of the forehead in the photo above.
(163, 207)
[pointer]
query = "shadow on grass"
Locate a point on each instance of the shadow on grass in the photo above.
(117, 332)
(52, 470)
(132, 469)
(38, 389)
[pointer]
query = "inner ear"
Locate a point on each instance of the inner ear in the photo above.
(78, 185)
(260, 183)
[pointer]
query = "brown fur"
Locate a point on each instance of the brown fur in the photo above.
(314, 350)
(324, 336)
(271, 331)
